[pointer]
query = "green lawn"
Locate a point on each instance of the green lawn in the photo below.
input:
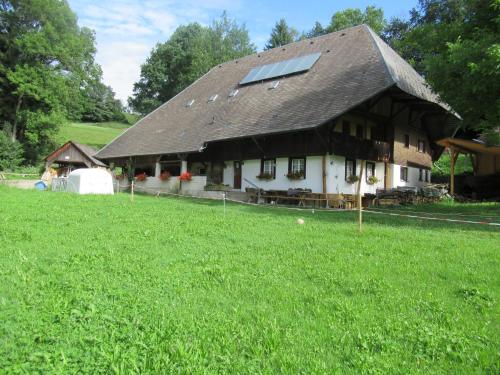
(93, 284)
(93, 134)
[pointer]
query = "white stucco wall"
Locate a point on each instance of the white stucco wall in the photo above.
(251, 168)
(335, 176)
(413, 177)
(336, 182)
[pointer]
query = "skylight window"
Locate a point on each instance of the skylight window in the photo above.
(274, 84)
(213, 98)
(190, 103)
(233, 93)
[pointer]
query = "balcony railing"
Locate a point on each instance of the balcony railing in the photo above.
(356, 148)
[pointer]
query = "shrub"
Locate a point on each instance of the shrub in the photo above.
(11, 153)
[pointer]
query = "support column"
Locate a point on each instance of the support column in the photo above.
(184, 166)
(157, 169)
(452, 171)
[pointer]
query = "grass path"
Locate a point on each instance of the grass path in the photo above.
(99, 284)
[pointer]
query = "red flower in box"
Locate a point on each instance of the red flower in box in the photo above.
(186, 176)
(141, 177)
(165, 176)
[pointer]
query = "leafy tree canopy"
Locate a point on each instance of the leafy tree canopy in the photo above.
(46, 68)
(281, 35)
(191, 51)
(456, 46)
(372, 16)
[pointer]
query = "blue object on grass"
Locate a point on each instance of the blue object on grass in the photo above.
(40, 185)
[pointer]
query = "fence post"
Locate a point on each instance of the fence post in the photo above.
(132, 191)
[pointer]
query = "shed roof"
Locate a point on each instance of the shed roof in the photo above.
(469, 146)
(87, 151)
(355, 65)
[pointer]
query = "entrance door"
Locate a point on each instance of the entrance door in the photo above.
(237, 175)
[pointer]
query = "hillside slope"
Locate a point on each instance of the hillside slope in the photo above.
(93, 134)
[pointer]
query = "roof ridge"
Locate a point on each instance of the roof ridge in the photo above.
(373, 37)
(296, 43)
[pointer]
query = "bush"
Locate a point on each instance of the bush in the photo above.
(11, 153)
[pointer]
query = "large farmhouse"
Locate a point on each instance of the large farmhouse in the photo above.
(300, 116)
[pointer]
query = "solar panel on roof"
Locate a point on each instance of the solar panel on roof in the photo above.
(282, 68)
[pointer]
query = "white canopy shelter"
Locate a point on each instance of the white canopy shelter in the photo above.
(90, 181)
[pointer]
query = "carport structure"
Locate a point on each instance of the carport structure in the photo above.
(485, 159)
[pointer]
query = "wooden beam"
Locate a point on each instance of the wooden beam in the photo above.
(452, 171)
(473, 160)
(258, 146)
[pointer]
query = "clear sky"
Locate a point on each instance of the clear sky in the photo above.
(126, 30)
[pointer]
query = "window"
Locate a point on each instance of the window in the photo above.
(370, 170)
(213, 98)
(407, 140)
(421, 173)
(233, 93)
(427, 175)
(268, 166)
(346, 127)
(404, 174)
(274, 85)
(360, 131)
(190, 103)
(350, 168)
(202, 171)
(421, 146)
(297, 166)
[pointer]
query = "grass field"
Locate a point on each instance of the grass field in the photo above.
(93, 284)
(93, 134)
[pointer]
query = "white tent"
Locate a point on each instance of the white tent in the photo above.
(90, 181)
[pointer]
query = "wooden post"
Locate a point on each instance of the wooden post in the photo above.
(452, 171)
(323, 165)
(132, 191)
(360, 208)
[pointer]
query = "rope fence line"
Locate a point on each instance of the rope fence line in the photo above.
(437, 213)
(303, 209)
(434, 218)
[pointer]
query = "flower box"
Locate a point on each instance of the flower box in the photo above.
(141, 177)
(295, 175)
(265, 176)
(165, 176)
(186, 176)
(352, 179)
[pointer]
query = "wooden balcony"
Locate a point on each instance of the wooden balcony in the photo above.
(356, 148)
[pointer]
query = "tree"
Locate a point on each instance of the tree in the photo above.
(455, 44)
(190, 52)
(11, 152)
(281, 35)
(43, 57)
(372, 16)
(317, 30)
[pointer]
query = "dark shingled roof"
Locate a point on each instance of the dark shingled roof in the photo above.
(354, 66)
(89, 152)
